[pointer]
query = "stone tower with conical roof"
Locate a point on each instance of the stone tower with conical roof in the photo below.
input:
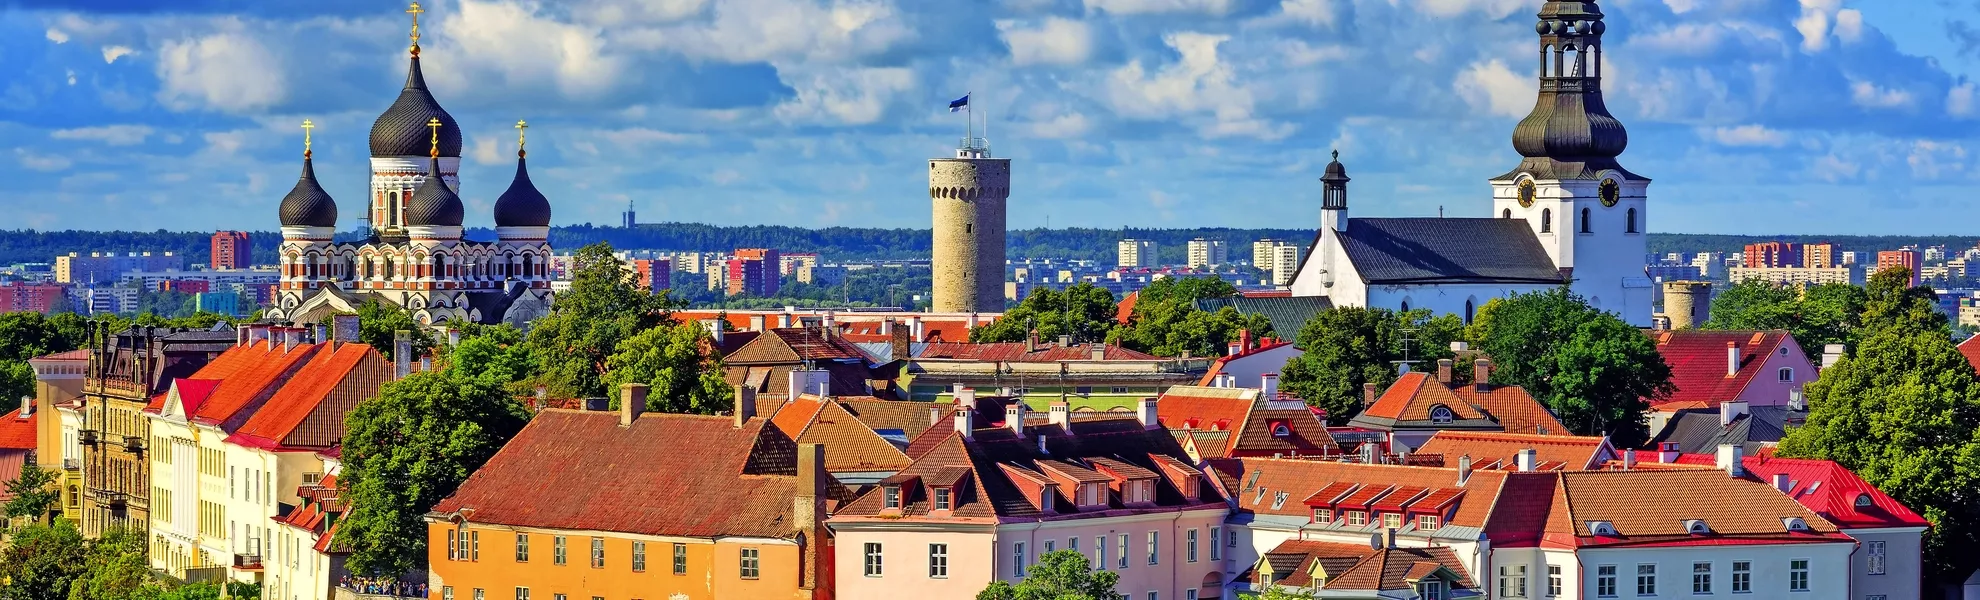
(1585, 208)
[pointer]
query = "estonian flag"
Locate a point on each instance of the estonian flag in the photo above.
(959, 103)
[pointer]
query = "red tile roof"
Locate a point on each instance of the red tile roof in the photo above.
(1125, 310)
(1698, 361)
(1255, 483)
(17, 433)
(1513, 408)
(71, 355)
(1971, 350)
(1022, 352)
(736, 481)
(193, 393)
(1412, 396)
(12, 460)
(850, 444)
(1823, 486)
(1217, 368)
(1644, 511)
(1251, 418)
(301, 395)
(1491, 450)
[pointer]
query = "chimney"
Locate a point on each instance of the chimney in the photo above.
(1233, 349)
(1444, 370)
(344, 328)
(1782, 483)
(1629, 459)
(830, 322)
(257, 333)
(321, 333)
(1367, 394)
(632, 401)
(1526, 460)
(291, 336)
(1244, 340)
(1268, 386)
(1389, 540)
(1464, 469)
(745, 401)
(1060, 413)
(887, 326)
(715, 330)
(1481, 374)
(27, 406)
(808, 513)
(784, 319)
(1098, 350)
(934, 414)
(1065, 341)
(1014, 417)
(756, 322)
(1830, 354)
(1460, 347)
(915, 331)
(1729, 459)
(972, 321)
(402, 352)
(1730, 410)
(811, 381)
(1147, 414)
(241, 335)
(1732, 359)
(1796, 401)
(966, 413)
(1031, 341)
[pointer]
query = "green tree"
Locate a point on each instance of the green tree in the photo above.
(1083, 311)
(678, 363)
(41, 561)
(116, 569)
(1343, 348)
(1594, 371)
(1166, 321)
(1820, 315)
(412, 446)
(1903, 411)
(26, 335)
(575, 342)
(1058, 575)
(379, 324)
(191, 591)
(1275, 592)
(34, 493)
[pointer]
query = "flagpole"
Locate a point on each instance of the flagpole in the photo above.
(969, 130)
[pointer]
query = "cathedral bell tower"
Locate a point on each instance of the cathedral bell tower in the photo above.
(1585, 208)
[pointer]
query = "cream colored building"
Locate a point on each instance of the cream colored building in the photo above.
(1205, 254)
(1138, 253)
(1797, 275)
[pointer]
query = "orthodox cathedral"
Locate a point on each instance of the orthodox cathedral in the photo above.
(1569, 213)
(413, 254)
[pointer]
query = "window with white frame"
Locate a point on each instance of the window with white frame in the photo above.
(941, 498)
(873, 566)
(1646, 580)
(1191, 553)
(1122, 547)
(1154, 547)
(522, 547)
(1742, 577)
(1357, 518)
(1440, 414)
(1553, 581)
(890, 497)
(1512, 581)
(1017, 559)
(1605, 581)
(1099, 552)
(1214, 548)
(751, 563)
(1701, 578)
(1048, 547)
(1323, 516)
(1431, 589)
(597, 553)
(1874, 552)
(1798, 575)
(639, 557)
(1786, 374)
(1392, 520)
(1428, 522)
(938, 561)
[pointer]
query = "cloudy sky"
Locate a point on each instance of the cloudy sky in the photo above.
(1753, 116)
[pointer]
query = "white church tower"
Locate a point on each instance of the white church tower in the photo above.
(1587, 210)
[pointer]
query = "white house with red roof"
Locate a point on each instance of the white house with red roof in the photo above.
(1247, 368)
(1760, 368)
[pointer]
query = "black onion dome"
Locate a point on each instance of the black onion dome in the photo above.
(522, 205)
(434, 204)
(1335, 170)
(402, 130)
(308, 205)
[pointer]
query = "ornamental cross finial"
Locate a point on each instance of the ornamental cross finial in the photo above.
(522, 137)
(1337, 155)
(415, 11)
(434, 123)
(308, 128)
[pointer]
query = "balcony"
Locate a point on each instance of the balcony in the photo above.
(133, 444)
(250, 562)
(88, 437)
(72, 464)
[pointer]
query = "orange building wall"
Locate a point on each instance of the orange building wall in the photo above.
(713, 568)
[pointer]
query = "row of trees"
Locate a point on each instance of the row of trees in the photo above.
(1165, 320)
(26, 335)
(54, 562)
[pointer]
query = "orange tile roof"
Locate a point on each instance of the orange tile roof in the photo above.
(1248, 416)
(1646, 507)
(1513, 408)
(301, 394)
(1217, 367)
(18, 433)
(1486, 448)
(850, 445)
(1821, 485)
(1971, 350)
(1414, 394)
(1255, 484)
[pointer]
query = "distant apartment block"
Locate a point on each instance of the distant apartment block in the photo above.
(222, 303)
(753, 271)
(1135, 254)
(32, 297)
(1204, 254)
(1819, 256)
(1671, 272)
(1909, 259)
(1711, 265)
(1772, 255)
(1848, 257)
(790, 263)
(230, 250)
(106, 267)
(1797, 275)
(656, 275)
(1284, 263)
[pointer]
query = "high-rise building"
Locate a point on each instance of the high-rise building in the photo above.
(1847, 258)
(1909, 259)
(753, 271)
(1821, 255)
(969, 192)
(797, 260)
(1204, 254)
(32, 297)
(1772, 255)
(656, 275)
(107, 267)
(1284, 261)
(230, 251)
(1135, 254)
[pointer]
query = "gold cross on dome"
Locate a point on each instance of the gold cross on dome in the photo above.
(435, 124)
(308, 128)
(522, 133)
(415, 11)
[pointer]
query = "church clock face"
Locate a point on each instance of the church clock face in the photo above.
(1611, 192)
(1526, 194)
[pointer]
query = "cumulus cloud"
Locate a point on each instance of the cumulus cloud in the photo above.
(1492, 88)
(1959, 102)
(1870, 95)
(114, 135)
(1934, 160)
(227, 71)
(112, 53)
(1056, 41)
(744, 31)
(57, 36)
(1199, 84)
(515, 43)
(1141, 7)
(1746, 135)
(41, 162)
(856, 96)
(1493, 9)
(1318, 13)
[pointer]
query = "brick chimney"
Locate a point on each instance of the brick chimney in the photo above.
(745, 408)
(1444, 370)
(1244, 340)
(1481, 374)
(1367, 394)
(632, 401)
(402, 352)
(901, 341)
(808, 514)
(344, 328)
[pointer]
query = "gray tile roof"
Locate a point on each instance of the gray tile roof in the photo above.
(1287, 315)
(1440, 250)
(1699, 431)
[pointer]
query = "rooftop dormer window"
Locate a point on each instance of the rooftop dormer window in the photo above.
(1440, 414)
(1092, 494)
(1281, 430)
(942, 501)
(890, 497)
(1602, 528)
(1796, 525)
(1863, 501)
(1696, 527)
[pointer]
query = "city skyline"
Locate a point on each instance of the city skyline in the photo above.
(1199, 112)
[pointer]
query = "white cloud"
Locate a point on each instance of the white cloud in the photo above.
(1681, 6)
(41, 162)
(640, 137)
(1703, 39)
(225, 71)
(1199, 83)
(611, 12)
(1869, 95)
(1814, 23)
(743, 31)
(1493, 88)
(1849, 25)
(1143, 7)
(112, 53)
(1319, 13)
(486, 150)
(523, 48)
(1057, 41)
(1933, 160)
(1493, 9)
(849, 96)
(1835, 169)
(1746, 135)
(1298, 53)
(225, 143)
(114, 135)
(71, 74)
(57, 36)
(1959, 102)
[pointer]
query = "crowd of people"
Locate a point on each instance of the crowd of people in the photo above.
(388, 587)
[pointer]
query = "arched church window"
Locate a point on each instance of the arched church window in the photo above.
(1584, 220)
(1405, 306)
(1469, 309)
(1546, 220)
(1632, 221)
(528, 266)
(1505, 214)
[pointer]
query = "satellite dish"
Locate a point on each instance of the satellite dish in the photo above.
(1375, 541)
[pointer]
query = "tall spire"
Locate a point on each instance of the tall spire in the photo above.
(1570, 133)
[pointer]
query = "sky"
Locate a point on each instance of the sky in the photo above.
(1751, 116)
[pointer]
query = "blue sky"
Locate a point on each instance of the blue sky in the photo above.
(1753, 116)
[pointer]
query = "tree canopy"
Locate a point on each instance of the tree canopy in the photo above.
(379, 324)
(1594, 371)
(1343, 348)
(677, 362)
(34, 492)
(1058, 575)
(574, 344)
(26, 335)
(1083, 311)
(1820, 315)
(1166, 322)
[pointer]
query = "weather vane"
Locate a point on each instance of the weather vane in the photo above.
(435, 124)
(415, 11)
(522, 137)
(308, 128)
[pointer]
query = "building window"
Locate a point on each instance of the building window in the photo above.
(597, 553)
(891, 496)
(1154, 547)
(1431, 589)
(1798, 575)
(750, 565)
(1546, 220)
(522, 593)
(1632, 221)
(1875, 554)
(1123, 548)
(480, 594)
(447, 592)
(680, 559)
(1787, 374)
(1553, 581)
(1192, 545)
(453, 545)
(1584, 221)
(1048, 547)
(1392, 520)
(1100, 552)
(1605, 581)
(872, 559)
(1189, 594)
(1701, 578)
(1214, 548)
(1017, 559)
(1427, 522)
(1646, 580)
(1505, 214)
(639, 557)
(522, 547)
(1357, 518)
(1512, 581)
(557, 554)
(1742, 572)
(475, 546)
(1154, 595)
(941, 498)
(938, 561)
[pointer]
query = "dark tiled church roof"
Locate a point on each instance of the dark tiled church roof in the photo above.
(402, 130)
(1426, 250)
(1287, 314)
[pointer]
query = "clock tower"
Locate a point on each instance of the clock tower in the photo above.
(1586, 209)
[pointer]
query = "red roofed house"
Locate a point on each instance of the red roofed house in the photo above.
(18, 438)
(1221, 422)
(1248, 367)
(1418, 406)
(781, 364)
(856, 451)
(980, 504)
(1520, 452)
(1760, 368)
(1364, 570)
(625, 504)
(1971, 350)
(1091, 376)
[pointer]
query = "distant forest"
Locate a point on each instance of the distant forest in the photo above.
(855, 243)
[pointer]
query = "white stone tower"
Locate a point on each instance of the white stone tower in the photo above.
(969, 192)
